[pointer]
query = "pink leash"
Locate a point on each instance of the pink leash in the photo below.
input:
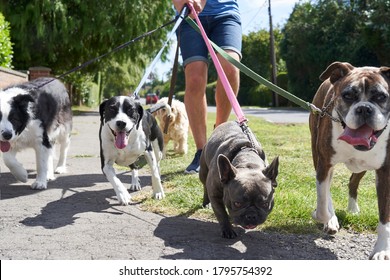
(226, 85)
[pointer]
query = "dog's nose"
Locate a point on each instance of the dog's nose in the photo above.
(251, 218)
(364, 110)
(120, 124)
(6, 135)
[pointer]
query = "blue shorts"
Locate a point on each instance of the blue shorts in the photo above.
(224, 30)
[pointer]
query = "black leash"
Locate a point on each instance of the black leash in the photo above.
(173, 81)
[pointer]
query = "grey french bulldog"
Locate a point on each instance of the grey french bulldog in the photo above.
(236, 177)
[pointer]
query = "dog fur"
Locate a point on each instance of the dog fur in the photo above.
(127, 132)
(359, 98)
(176, 115)
(236, 176)
(36, 114)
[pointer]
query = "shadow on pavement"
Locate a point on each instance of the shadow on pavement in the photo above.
(63, 212)
(199, 240)
(79, 194)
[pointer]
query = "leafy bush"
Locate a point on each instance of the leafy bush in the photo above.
(5, 43)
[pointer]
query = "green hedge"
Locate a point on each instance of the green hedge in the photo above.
(5, 43)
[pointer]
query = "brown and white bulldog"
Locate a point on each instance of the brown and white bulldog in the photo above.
(356, 133)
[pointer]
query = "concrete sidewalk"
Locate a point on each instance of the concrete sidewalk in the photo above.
(78, 217)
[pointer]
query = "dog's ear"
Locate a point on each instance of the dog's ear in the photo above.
(140, 110)
(385, 72)
(336, 71)
(102, 109)
(22, 101)
(226, 170)
(272, 170)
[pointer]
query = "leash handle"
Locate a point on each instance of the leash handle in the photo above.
(222, 76)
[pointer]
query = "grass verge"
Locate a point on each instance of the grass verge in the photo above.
(295, 197)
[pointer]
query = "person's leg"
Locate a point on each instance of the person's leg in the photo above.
(195, 61)
(195, 100)
(196, 107)
(222, 102)
(226, 32)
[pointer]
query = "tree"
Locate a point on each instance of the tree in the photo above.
(62, 34)
(318, 34)
(5, 43)
(256, 55)
(377, 30)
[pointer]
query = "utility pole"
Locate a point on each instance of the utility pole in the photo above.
(275, 98)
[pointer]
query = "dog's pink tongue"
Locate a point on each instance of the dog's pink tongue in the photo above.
(250, 226)
(121, 140)
(5, 146)
(360, 136)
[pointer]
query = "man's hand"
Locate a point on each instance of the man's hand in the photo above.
(197, 4)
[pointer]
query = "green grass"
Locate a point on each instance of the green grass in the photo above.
(295, 196)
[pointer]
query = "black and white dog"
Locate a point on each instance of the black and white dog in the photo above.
(127, 131)
(35, 115)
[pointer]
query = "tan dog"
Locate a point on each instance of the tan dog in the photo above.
(356, 133)
(178, 124)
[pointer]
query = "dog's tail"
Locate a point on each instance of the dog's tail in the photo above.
(158, 106)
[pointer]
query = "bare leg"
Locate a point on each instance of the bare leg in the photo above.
(195, 101)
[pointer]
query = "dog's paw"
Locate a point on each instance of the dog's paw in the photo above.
(37, 185)
(50, 177)
(135, 181)
(381, 255)
(332, 226)
(381, 249)
(135, 187)
(158, 195)
(124, 198)
(206, 205)
(229, 233)
(60, 170)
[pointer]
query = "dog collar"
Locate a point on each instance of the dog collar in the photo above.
(246, 147)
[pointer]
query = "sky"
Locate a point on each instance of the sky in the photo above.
(254, 13)
(254, 16)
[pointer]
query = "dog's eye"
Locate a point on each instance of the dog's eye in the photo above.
(379, 97)
(129, 112)
(349, 96)
(237, 204)
(112, 109)
(15, 120)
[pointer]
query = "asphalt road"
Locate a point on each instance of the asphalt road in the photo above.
(78, 218)
(283, 115)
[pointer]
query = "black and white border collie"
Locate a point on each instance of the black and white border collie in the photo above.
(127, 132)
(36, 115)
